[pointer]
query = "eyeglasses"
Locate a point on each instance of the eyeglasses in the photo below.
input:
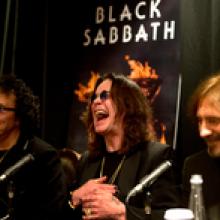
(103, 95)
(7, 109)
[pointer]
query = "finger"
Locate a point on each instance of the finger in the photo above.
(101, 179)
(105, 186)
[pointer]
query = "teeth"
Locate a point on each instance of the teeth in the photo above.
(101, 114)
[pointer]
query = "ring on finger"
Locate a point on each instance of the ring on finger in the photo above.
(88, 211)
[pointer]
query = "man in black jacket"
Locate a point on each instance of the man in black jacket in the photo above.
(36, 190)
(122, 149)
(205, 108)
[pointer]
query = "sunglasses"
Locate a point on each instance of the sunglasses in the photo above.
(7, 109)
(103, 96)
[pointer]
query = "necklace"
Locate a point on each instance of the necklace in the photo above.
(116, 172)
(4, 155)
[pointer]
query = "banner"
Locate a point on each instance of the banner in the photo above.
(139, 39)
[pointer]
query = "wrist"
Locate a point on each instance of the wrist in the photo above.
(122, 215)
(71, 205)
(74, 202)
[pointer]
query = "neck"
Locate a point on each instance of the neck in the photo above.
(7, 141)
(113, 143)
(114, 139)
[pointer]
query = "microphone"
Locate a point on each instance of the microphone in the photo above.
(148, 180)
(11, 170)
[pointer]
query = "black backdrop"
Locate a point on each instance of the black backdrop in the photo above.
(45, 30)
(41, 57)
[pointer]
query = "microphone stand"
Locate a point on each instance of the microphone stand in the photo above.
(10, 185)
(147, 205)
(11, 193)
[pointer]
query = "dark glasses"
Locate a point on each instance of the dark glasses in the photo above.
(7, 109)
(103, 96)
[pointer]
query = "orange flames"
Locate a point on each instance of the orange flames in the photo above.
(146, 77)
(163, 137)
(84, 91)
(138, 70)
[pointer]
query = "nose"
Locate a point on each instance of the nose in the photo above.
(204, 131)
(96, 101)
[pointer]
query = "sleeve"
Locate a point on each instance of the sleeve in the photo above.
(53, 186)
(164, 193)
(70, 212)
(47, 183)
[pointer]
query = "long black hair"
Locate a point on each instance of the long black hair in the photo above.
(129, 101)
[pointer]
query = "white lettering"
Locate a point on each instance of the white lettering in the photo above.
(127, 34)
(169, 30)
(113, 35)
(141, 34)
(154, 26)
(111, 19)
(99, 15)
(87, 36)
(137, 10)
(154, 10)
(99, 38)
(126, 14)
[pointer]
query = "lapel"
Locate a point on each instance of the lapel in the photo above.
(14, 154)
(133, 168)
(129, 173)
(127, 176)
(90, 171)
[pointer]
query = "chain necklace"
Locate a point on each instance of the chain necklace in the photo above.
(3, 156)
(116, 172)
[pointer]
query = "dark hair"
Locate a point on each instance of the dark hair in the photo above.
(129, 101)
(27, 105)
(208, 87)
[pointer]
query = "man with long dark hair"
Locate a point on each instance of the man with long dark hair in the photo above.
(122, 150)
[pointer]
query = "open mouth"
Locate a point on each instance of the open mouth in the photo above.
(101, 114)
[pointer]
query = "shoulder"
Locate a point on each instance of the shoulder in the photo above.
(41, 149)
(152, 154)
(40, 143)
(84, 158)
(198, 157)
(155, 149)
(199, 162)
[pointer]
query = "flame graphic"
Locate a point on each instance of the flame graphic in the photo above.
(146, 77)
(163, 137)
(139, 70)
(84, 91)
